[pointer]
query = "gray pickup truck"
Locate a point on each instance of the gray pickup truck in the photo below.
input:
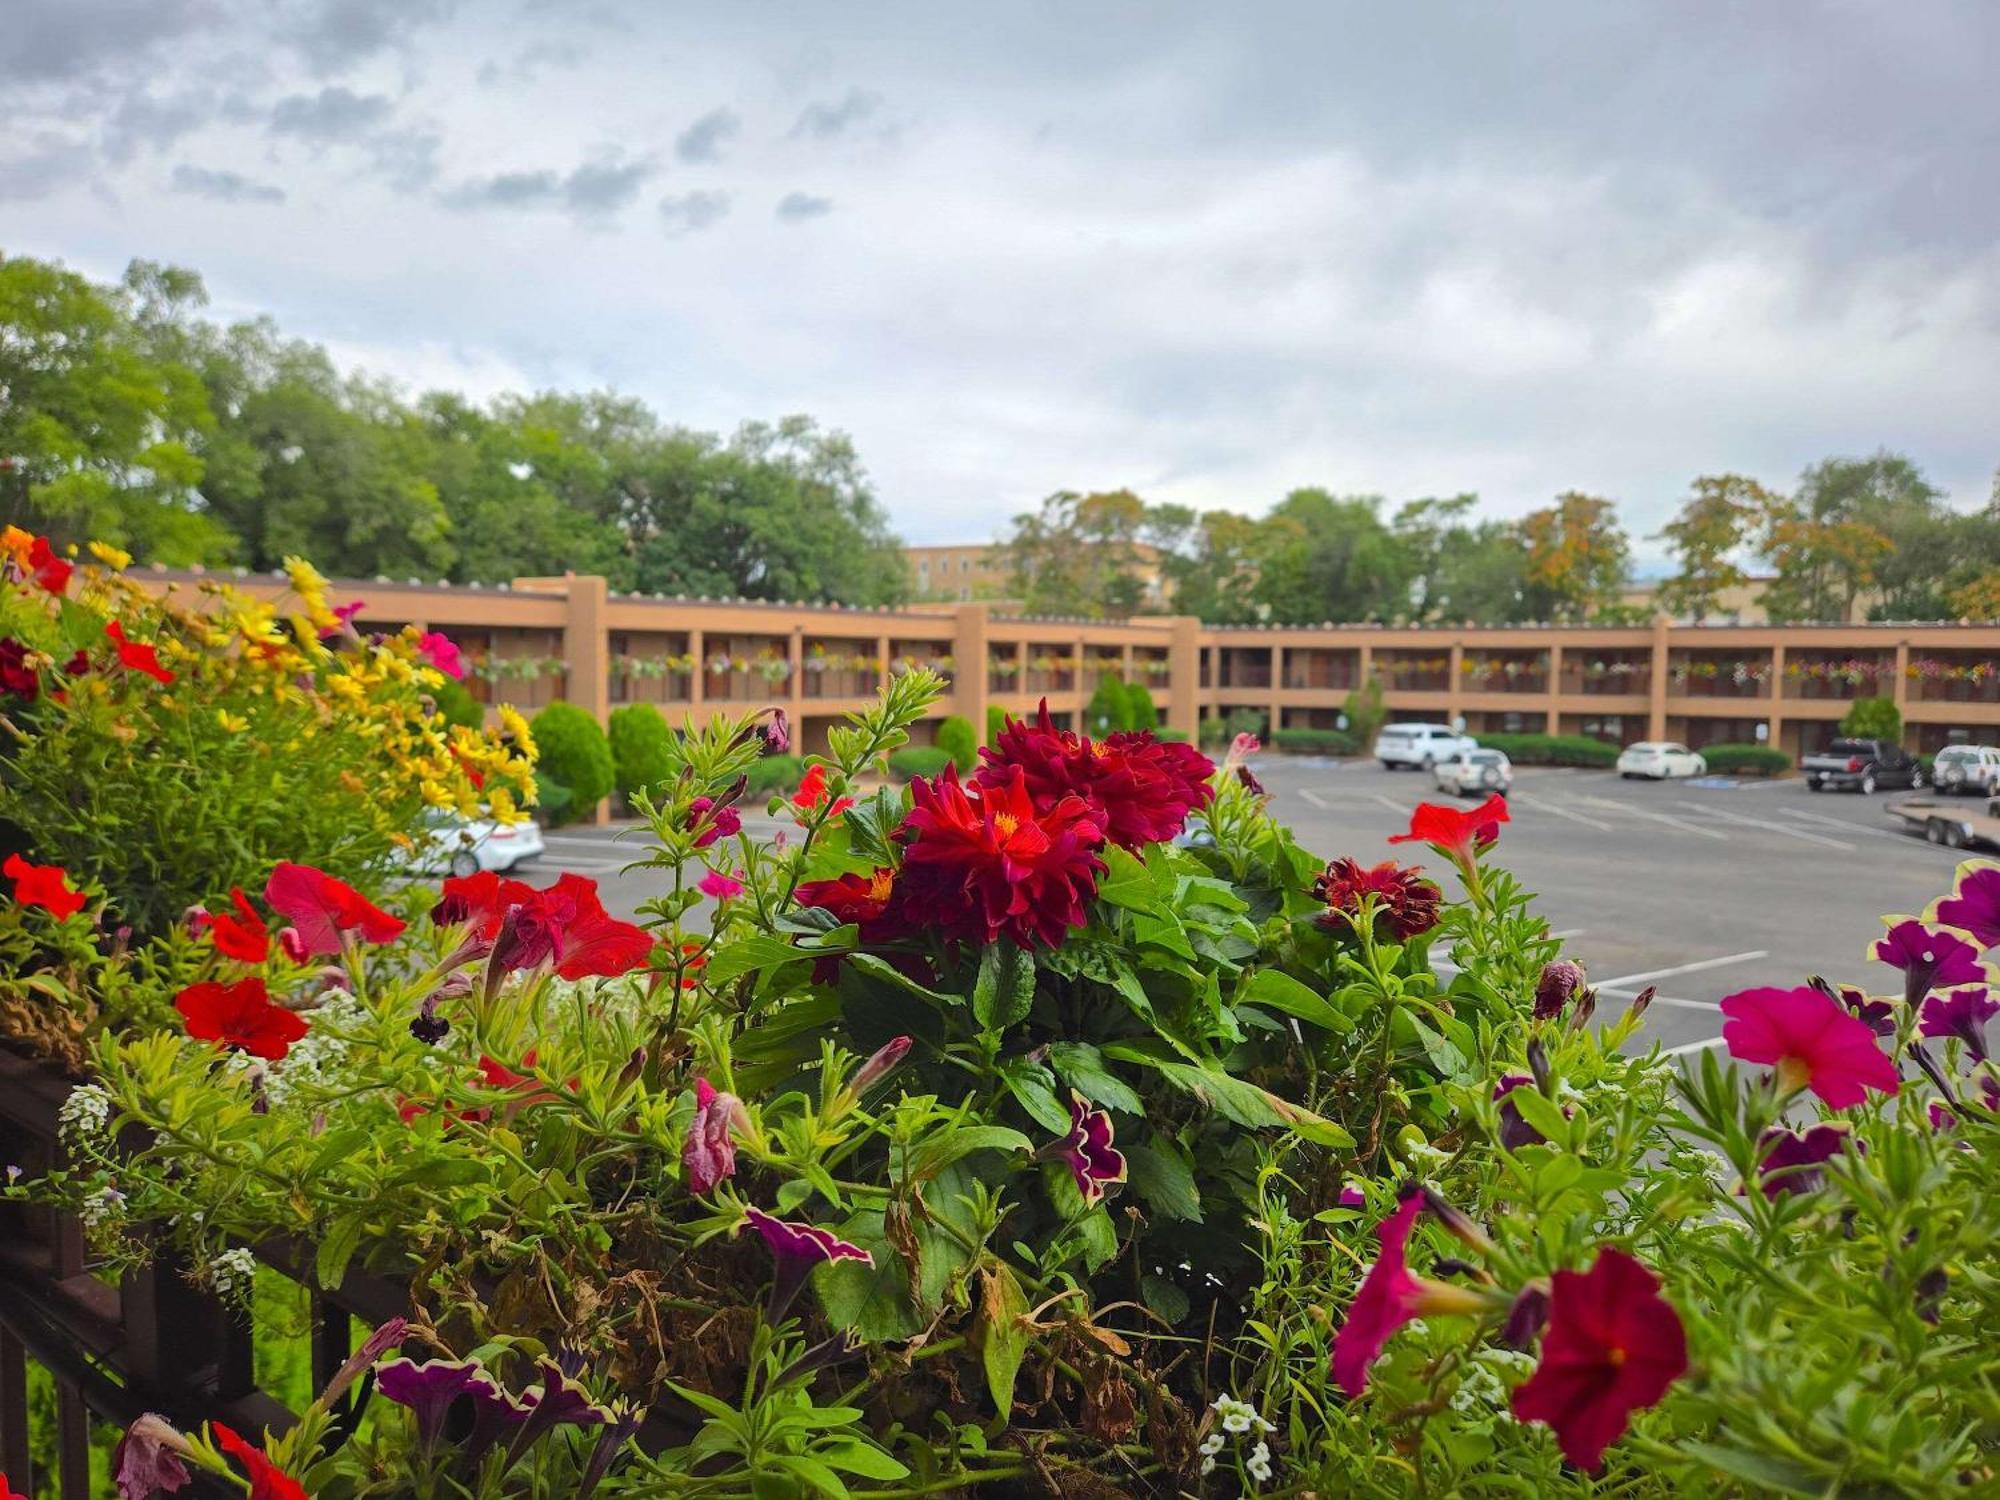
(1862, 766)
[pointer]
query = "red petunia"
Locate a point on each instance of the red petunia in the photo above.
(16, 676)
(242, 937)
(1811, 1041)
(984, 863)
(567, 924)
(1140, 788)
(812, 793)
(1455, 834)
(1613, 1347)
(481, 900)
(267, 1480)
(1406, 905)
(46, 886)
(138, 656)
(239, 1015)
(320, 908)
(1391, 1296)
(47, 568)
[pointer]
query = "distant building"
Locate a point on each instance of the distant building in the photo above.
(981, 570)
(1742, 605)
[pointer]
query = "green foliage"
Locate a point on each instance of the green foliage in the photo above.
(996, 720)
(1552, 749)
(641, 747)
(1105, 712)
(1365, 710)
(1315, 742)
(455, 705)
(956, 737)
(773, 773)
(1140, 710)
(919, 760)
(575, 756)
(1214, 732)
(1751, 760)
(1873, 719)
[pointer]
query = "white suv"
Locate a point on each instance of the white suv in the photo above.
(1420, 745)
(1967, 768)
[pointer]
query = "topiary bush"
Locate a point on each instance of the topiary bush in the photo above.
(1140, 711)
(641, 747)
(1105, 713)
(956, 738)
(1873, 719)
(1552, 750)
(918, 760)
(996, 720)
(1315, 742)
(773, 773)
(1215, 732)
(1751, 760)
(575, 756)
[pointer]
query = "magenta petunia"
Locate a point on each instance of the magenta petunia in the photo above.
(1789, 1162)
(441, 651)
(718, 886)
(1811, 1042)
(709, 1153)
(1930, 957)
(1391, 1296)
(803, 1242)
(1093, 1161)
(1973, 906)
(1962, 1014)
(1515, 1132)
(428, 1389)
(708, 821)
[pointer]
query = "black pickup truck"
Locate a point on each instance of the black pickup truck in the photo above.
(1862, 766)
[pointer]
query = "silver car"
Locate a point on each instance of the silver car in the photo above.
(1474, 773)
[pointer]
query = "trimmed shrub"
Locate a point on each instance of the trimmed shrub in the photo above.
(1748, 760)
(1552, 749)
(956, 739)
(1365, 710)
(641, 748)
(1315, 742)
(1873, 719)
(1105, 713)
(1140, 711)
(575, 756)
(1238, 721)
(455, 705)
(918, 760)
(774, 773)
(1174, 736)
(996, 720)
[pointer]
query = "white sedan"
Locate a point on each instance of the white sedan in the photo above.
(1474, 773)
(453, 845)
(1660, 760)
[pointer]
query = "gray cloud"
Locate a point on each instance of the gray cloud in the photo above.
(149, 121)
(224, 186)
(796, 208)
(593, 191)
(693, 212)
(49, 164)
(530, 63)
(334, 35)
(704, 139)
(66, 39)
(333, 114)
(407, 160)
(823, 120)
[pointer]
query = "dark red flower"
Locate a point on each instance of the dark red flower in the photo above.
(239, 1015)
(1092, 1159)
(568, 924)
(267, 1480)
(482, 901)
(47, 568)
(320, 908)
(1790, 1162)
(137, 656)
(1613, 1347)
(1406, 905)
(708, 1152)
(858, 899)
(1140, 788)
(984, 863)
(1457, 835)
(46, 886)
(1516, 1132)
(1810, 1040)
(242, 937)
(1391, 1296)
(16, 676)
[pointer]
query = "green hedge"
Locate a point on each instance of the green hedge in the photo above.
(1240, 721)
(918, 760)
(456, 705)
(641, 747)
(1753, 760)
(1315, 742)
(576, 756)
(774, 773)
(1551, 749)
(1178, 736)
(956, 738)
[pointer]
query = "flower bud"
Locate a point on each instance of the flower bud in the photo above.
(777, 733)
(1561, 979)
(1525, 1319)
(1455, 1220)
(879, 1066)
(1538, 1064)
(1643, 999)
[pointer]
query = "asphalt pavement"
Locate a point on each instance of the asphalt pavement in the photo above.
(1700, 888)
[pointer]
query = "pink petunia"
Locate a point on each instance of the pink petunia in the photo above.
(441, 651)
(1391, 1296)
(718, 886)
(1811, 1041)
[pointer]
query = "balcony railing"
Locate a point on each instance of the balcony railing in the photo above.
(1709, 679)
(1506, 682)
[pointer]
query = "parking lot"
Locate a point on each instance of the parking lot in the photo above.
(1701, 888)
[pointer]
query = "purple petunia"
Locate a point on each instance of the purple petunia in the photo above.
(1974, 904)
(429, 1389)
(1930, 958)
(798, 1249)
(1962, 1014)
(1876, 1012)
(1093, 1161)
(1790, 1162)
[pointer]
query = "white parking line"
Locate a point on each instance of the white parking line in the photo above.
(1880, 833)
(1626, 981)
(1568, 932)
(1768, 826)
(1315, 799)
(1659, 817)
(1562, 812)
(588, 866)
(1402, 808)
(1686, 1047)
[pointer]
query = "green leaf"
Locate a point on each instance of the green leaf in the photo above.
(1003, 1333)
(814, 1473)
(1164, 1298)
(744, 955)
(1005, 988)
(1279, 991)
(1246, 1104)
(1163, 930)
(1757, 1468)
(857, 1456)
(1033, 1086)
(933, 1155)
(1165, 1181)
(877, 967)
(336, 1249)
(1541, 1113)
(1081, 1066)
(1127, 883)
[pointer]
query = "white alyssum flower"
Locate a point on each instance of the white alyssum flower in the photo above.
(1238, 1416)
(320, 1056)
(1483, 1389)
(1258, 1464)
(232, 1273)
(84, 1115)
(1212, 1444)
(105, 1206)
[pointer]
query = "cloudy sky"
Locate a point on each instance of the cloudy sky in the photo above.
(1212, 252)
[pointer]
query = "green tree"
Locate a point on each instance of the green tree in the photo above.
(1331, 558)
(1714, 525)
(1213, 570)
(955, 736)
(1845, 532)
(576, 756)
(1079, 554)
(1873, 719)
(1140, 710)
(1365, 710)
(641, 748)
(1576, 556)
(1105, 713)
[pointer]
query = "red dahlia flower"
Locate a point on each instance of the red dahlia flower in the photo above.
(859, 899)
(568, 924)
(267, 1480)
(1614, 1345)
(137, 656)
(1140, 788)
(46, 886)
(985, 863)
(320, 908)
(1456, 835)
(1391, 1296)
(1406, 905)
(242, 937)
(1811, 1041)
(239, 1015)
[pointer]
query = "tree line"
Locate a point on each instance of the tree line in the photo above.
(1870, 532)
(129, 417)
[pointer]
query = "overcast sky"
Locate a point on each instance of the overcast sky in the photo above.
(1209, 251)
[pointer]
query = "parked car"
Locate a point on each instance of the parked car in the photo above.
(1967, 768)
(1474, 773)
(453, 845)
(1862, 766)
(1421, 745)
(1660, 760)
